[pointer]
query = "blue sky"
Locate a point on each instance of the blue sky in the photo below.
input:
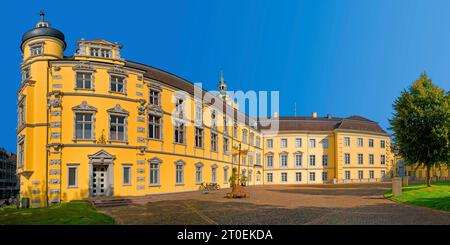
(342, 57)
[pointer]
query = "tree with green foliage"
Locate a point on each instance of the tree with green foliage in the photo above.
(421, 125)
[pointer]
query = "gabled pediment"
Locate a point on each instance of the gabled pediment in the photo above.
(154, 160)
(102, 155)
(118, 110)
(84, 106)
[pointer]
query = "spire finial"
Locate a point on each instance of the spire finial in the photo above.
(42, 15)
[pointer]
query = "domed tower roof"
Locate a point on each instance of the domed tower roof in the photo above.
(43, 29)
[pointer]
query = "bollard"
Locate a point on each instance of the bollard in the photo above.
(396, 186)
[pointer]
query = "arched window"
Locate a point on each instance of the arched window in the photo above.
(199, 173)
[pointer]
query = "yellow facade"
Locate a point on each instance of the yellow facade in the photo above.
(320, 157)
(85, 130)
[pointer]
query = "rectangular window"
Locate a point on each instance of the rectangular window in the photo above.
(269, 162)
(298, 160)
(258, 141)
(179, 176)
(250, 160)
(36, 50)
(383, 159)
(117, 128)
(371, 174)
(198, 175)
(283, 177)
(127, 175)
(324, 160)
(269, 143)
(72, 180)
(154, 127)
(383, 144)
(383, 174)
(360, 142)
(298, 142)
(284, 161)
(117, 84)
(325, 143)
(83, 126)
(269, 177)
(360, 174)
(312, 176)
(347, 158)
(26, 74)
(20, 155)
(213, 141)
(225, 175)
(235, 130)
(154, 98)
(154, 173)
(298, 177)
(199, 137)
(84, 80)
(21, 112)
(214, 175)
(347, 174)
(346, 141)
(252, 138)
(244, 135)
(226, 144)
(225, 125)
(312, 160)
(179, 133)
(360, 159)
(258, 158)
(283, 143)
(100, 52)
(179, 108)
(371, 159)
(371, 143)
(324, 176)
(312, 143)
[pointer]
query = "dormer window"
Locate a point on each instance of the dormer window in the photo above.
(36, 49)
(100, 52)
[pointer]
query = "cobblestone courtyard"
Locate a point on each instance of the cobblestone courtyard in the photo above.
(315, 204)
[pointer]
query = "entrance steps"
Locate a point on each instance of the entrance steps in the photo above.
(106, 203)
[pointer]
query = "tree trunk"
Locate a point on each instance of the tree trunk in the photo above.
(428, 176)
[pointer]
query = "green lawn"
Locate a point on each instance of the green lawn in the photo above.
(437, 196)
(72, 213)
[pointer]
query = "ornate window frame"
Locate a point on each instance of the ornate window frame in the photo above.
(118, 111)
(225, 178)
(21, 154)
(281, 155)
(84, 67)
(214, 168)
(158, 163)
(36, 45)
(179, 163)
(21, 113)
(118, 71)
(199, 167)
(84, 107)
(298, 153)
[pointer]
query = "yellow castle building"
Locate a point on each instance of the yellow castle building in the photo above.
(94, 124)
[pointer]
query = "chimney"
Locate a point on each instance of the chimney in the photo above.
(275, 114)
(314, 114)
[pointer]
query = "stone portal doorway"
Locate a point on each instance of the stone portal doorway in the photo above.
(101, 174)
